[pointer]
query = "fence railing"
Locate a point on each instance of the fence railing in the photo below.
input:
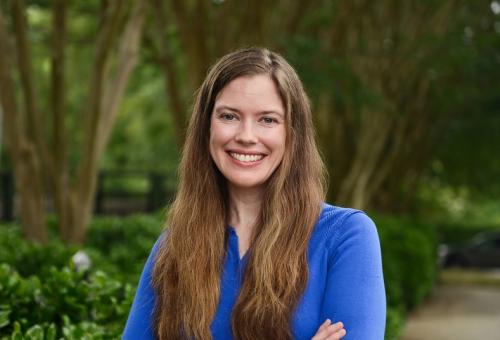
(118, 193)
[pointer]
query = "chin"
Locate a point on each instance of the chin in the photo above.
(246, 185)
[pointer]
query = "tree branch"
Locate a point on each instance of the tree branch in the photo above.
(127, 59)
(60, 178)
(105, 41)
(12, 118)
(23, 154)
(177, 106)
(105, 99)
(34, 121)
(57, 80)
(193, 38)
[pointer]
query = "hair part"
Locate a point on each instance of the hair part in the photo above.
(187, 284)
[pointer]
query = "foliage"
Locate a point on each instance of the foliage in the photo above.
(50, 295)
(409, 252)
(434, 62)
(394, 324)
(459, 234)
(410, 266)
(63, 302)
(143, 138)
(465, 154)
(357, 59)
(94, 304)
(47, 165)
(120, 246)
(458, 213)
(31, 257)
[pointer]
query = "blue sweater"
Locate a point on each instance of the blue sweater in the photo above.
(345, 282)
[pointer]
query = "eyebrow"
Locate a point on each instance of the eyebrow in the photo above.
(226, 107)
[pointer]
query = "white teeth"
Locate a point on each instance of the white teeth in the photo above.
(246, 158)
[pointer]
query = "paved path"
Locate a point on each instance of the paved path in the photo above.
(455, 312)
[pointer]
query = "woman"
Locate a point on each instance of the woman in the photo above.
(251, 251)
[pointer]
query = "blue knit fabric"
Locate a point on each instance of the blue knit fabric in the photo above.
(345, 282)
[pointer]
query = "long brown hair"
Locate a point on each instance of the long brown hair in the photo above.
(189, 262)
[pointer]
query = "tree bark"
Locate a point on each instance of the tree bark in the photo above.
(177, 106)
(60, 180)
(26, 145)
(387, 54)
(103, 108)
(22, 151)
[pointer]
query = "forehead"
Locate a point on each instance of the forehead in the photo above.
(254, 93)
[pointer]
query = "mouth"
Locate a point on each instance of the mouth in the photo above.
(246, 158)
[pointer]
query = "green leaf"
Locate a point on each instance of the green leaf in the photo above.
(51, 332)
(4, 317)
(34, 333)
(16, 334)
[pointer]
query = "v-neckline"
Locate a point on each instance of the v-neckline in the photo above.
(232, 231)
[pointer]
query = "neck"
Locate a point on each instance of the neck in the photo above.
(244, 208)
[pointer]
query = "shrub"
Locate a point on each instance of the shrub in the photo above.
(66, 300)
(51, 297)
(394, 324)
(409, 256)
(120, 246)
(41, 294)
(31, 257)
(81, 331)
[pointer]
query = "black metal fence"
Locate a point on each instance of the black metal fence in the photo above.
(118, 193)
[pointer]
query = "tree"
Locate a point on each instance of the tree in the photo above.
(372, 68)
(466, 154)
(37, 166)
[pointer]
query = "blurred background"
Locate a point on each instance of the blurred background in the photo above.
(95, 97)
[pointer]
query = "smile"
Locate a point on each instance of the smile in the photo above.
(246, 158)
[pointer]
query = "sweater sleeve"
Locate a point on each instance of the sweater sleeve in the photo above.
(140, 319)
(355, 292)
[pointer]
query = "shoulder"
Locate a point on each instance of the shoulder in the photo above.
(335, 221)
(159, 242)
(341, 228)
(150, 262)
(333, 215)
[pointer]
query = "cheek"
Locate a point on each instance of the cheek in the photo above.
(218, 138)
(220, 134)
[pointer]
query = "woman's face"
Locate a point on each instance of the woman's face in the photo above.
(247, 131)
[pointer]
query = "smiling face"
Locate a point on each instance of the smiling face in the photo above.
(247, 131)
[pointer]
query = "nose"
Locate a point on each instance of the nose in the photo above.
(246, 133)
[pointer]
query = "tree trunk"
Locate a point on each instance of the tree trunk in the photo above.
(25, 142)
(28, 187)
(103, 109)
(23, 154)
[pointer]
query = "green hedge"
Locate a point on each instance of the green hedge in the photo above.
(42, 294)
(120, 246)
(53, 300)
(62, 302)
(409, 256)
(30, 258)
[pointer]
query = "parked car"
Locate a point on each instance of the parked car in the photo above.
(482, 251)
